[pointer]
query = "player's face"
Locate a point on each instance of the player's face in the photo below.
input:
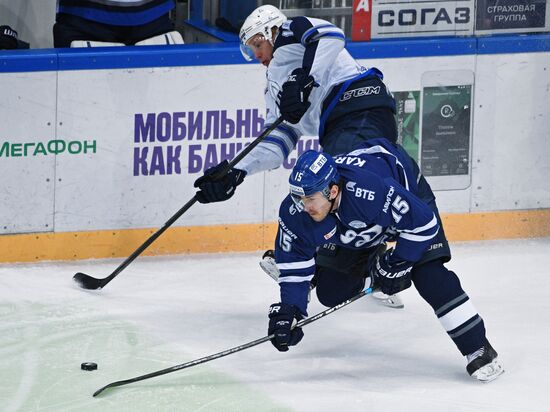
(316, 205)
(262, 49)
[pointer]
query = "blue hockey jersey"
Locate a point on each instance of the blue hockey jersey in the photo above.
(378, 204)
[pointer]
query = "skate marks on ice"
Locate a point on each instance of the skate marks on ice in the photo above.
(42, 346)
(167, 311)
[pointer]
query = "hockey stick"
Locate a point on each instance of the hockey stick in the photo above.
(88, 282)
(239, 348)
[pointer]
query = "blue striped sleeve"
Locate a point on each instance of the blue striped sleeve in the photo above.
(317, 32)
(284, 137)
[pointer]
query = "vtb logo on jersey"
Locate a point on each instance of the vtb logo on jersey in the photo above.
(359, 191)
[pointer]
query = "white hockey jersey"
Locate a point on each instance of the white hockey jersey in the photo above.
(315, 45)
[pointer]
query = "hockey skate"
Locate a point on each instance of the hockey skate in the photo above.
(269, 266)
(483, 364)
(390, 301)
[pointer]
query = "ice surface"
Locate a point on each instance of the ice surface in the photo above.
(161, 312)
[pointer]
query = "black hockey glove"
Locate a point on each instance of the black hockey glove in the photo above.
(391, 278)
(218, 189)
(293, 98)
(8, 38)
(281, 321)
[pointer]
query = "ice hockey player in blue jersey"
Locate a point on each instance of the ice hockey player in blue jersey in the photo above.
(358, 202)
(315, 85)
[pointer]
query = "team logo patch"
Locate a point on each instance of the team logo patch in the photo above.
(330, 234)
(318, 164)
(297, 190)
(435, 246)
(360, 92)
(292, 209)
(357, 224)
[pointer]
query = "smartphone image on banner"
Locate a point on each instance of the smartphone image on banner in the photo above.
(446, 125)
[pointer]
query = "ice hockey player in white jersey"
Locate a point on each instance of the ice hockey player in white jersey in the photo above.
(315, 85)
(358, 202)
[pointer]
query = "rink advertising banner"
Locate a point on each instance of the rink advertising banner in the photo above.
(51, 147)
(407, 116)
(361, 20)
(446, 130)
(195, 139)
(505, 15)
(190, 142)
(415, 18)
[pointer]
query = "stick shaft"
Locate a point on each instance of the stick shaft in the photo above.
(185, 207)
(235, 349)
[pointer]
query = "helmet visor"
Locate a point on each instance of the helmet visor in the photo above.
(256, 43)
(247, 52)
(296, 193)
(298, 202)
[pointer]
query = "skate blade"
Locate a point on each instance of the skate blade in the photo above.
(393, 301)
(489, 372)
(269, 266)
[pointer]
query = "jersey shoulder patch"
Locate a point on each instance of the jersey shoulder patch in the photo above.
(286, 36)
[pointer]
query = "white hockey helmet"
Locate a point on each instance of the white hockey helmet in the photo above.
(260, 21)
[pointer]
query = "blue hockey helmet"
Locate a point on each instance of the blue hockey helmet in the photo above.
(313, 172)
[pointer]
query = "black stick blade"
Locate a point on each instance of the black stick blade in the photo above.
(102, 389)
(125, 382)
(87, 282)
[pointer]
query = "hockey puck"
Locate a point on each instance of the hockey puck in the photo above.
(88, 366)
